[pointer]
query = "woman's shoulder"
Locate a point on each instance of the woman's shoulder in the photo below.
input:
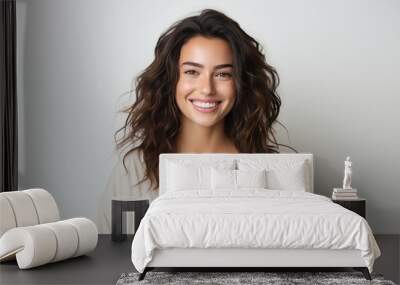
(130, 163)
(125, 177)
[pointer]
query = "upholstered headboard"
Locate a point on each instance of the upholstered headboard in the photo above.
(210, 158)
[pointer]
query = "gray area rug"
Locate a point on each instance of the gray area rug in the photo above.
(229, 278)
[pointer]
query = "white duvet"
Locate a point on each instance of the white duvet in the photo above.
(251, 218)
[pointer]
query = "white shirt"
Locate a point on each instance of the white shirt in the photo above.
(121, 185)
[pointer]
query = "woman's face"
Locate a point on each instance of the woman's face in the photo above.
(205, 92)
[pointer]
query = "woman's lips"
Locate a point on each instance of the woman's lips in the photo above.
(205, 107)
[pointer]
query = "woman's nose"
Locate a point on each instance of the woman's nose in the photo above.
(206, 85)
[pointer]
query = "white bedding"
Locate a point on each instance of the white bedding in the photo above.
(251, 218)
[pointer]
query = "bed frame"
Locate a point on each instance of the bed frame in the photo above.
(247, 259)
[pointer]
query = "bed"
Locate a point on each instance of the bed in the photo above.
(245, 211)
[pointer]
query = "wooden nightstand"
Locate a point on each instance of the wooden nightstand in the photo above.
(120, 205)
(357, 206)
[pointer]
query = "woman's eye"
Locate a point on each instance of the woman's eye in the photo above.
(191, 72)
(224, 75)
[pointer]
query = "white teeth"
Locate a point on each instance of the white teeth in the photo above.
(205, 105)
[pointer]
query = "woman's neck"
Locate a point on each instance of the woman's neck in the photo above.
(193, 138)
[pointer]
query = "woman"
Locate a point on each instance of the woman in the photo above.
(209, 89)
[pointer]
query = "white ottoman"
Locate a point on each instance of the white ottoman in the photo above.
(31, 232)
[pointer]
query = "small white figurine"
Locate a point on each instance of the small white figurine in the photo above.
(347, 174)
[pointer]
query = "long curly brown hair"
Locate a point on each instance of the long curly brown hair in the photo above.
(153, 120)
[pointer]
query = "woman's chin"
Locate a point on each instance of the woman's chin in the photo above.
(205, 123)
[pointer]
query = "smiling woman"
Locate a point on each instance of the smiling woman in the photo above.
(209, 89)
(205, 94)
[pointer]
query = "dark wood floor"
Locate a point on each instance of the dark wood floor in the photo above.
(110, 260)
(102, 266)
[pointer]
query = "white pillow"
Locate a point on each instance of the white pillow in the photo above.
(236, 179)
(223, 179)
(251, 178)
(189, 175)
(181, 177)
(281, 174)
(288, 179)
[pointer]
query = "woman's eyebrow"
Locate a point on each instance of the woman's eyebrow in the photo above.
(201, 66)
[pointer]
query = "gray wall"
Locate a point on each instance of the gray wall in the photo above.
(338, 62)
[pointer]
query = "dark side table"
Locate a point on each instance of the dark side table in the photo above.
(118, 206)
(357, 206)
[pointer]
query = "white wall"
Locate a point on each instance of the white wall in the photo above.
(338, 62)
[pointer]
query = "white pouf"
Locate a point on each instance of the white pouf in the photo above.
(31, 233)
